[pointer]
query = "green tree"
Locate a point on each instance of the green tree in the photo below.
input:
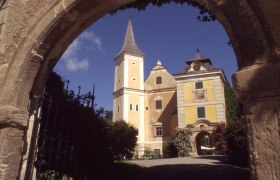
(123, 140)
(235, 132)
(233, 109)
(235, 136)
(182, 141)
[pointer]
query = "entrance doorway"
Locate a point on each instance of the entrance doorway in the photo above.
(204, 143)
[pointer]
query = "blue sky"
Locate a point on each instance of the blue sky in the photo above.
(170, 33)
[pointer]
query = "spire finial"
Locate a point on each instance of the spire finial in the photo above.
(197, 50)
(158, 62)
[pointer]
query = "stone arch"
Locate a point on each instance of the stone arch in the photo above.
(36, 33)
(64, 20)
(198, 140)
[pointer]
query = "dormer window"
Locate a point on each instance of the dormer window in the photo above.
(159, 80)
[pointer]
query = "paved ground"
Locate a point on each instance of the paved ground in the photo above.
(189, 168)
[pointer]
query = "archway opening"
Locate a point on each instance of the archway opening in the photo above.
(53, 53)
(200, 41)
(205, 144)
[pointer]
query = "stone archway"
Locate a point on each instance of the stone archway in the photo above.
(202, 139)
(34, 34)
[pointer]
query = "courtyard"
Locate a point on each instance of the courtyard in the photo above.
(191, 168)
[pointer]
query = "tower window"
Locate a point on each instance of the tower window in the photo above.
(201, 112)
(159, 80)
(198, 85)
(118, 108)
(134, 79)
(158, 104)
(130, 107)
(158, 131)
(136, 107)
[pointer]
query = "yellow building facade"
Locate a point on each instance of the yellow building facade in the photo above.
(161, 103)
(200, 99)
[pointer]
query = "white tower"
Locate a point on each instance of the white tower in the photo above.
(128, 102)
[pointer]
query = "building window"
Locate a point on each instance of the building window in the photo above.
(130, 107)
(136, 107)
(133, 63)
(118, 108)
(134, 79)
(201, 112)
(198, 85)
(158, 104)
(147, 108)
(158, 131)
(159, 80)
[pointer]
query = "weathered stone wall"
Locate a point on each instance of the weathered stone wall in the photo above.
(10, 152)
(34, 34)
(258, 89)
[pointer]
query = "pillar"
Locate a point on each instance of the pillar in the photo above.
(258, 89)
(13, 122)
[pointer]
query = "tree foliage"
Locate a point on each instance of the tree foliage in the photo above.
(182, 141)
(233, 108)
(205, 14)
(231, 139)
(219, 136)
(73, 135)
(123, 140)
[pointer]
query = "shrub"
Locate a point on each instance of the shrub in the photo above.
(235, 136)
(182, 141)
(219, 135)
(149, 154)
(170, 151)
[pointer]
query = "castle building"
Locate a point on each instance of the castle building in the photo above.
(163, 102)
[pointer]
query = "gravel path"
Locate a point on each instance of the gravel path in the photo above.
(210, 160)
(190, 168)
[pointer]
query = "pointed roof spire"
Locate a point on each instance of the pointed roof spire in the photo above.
(198, 56)
(129, 44)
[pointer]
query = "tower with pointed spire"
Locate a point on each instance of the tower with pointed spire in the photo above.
(164, 102)
(128, 95)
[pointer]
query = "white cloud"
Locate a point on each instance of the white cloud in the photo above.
(73, 49)
(87, 41)
(94, 40)
(74, 64)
